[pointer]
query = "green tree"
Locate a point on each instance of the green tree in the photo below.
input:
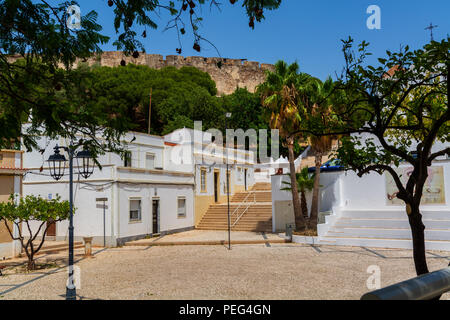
(305, 182)
(281, 100)
(178, 96)
(37, 32)
(28, 209)
(401, 105)
(316, 101)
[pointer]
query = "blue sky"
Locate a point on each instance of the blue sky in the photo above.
(308, 32)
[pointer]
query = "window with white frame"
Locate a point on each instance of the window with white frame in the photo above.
(181, 207)
(150, 161)
(135, 210)
(239, 174)
(203, 179)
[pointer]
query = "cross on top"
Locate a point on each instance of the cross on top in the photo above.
(431, 27)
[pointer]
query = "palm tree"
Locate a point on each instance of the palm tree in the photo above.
(305, 182)
(316, 97)
(280, 98)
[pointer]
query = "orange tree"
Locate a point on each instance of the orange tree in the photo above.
(21, 212)
(396, 112)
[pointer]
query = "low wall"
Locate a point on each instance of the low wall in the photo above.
(282, 207)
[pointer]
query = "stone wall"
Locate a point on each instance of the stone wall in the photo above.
(233, 73)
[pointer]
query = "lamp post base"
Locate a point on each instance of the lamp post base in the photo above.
(71, 294)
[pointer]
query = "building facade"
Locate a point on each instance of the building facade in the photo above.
(11, 172)
(145, 193)
(364, 211)
(207, 162)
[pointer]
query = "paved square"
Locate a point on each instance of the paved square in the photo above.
(278, 271)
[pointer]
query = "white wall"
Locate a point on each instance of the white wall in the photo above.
(167, 195)
(369, 192)
(346, 191)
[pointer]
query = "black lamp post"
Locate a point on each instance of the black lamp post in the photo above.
(57, 163)
(228, 116)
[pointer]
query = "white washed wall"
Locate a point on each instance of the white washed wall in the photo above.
(346, 191)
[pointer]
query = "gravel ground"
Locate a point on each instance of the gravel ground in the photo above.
(280, 271)
(207, 235)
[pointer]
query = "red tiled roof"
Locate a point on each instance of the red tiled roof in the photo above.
(392, 71)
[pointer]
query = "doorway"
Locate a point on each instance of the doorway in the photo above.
(245, 179)
(155, 216)
(51, 231)
(216, 186)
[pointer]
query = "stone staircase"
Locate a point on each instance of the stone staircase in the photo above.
(250, 211)
(262, 186)
(384, 228)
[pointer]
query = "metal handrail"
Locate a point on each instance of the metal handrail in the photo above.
(246, 208)
(240, 204)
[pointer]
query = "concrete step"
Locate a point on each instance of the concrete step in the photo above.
(57, 247)
(242, 218)
(253, 217)
(383, 243)
(249, 210)
(258, 229)
(394, 214)
(240, 223)
(381, 233)
(391, 223)
(259, 196)
(234, 217)
(261, 186)
(252, 206)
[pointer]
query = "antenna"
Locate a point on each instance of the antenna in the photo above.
(431, 27)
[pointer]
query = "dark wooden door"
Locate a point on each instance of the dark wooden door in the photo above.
(51, 231)
(245, 179)
(155, 214)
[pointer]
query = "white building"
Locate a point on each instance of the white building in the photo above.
(365, 211)
(152, 191)
(193, 151)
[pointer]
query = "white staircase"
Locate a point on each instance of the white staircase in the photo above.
(384, 228)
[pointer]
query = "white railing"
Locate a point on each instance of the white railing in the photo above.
(236, 211)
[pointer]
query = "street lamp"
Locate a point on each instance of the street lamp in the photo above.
(57, 163)
(228, 116)
(86, 162)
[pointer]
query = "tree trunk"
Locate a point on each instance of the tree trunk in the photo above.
(31, 265)
(303, 203)
(315, 195)
(299, 220)
(418, 237)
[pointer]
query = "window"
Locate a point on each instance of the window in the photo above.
(1, 157)
(181, 211)
(150, 161)
(227, 182)
(203, 179)
(127, 159)
(135, 210)
(239, 174)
